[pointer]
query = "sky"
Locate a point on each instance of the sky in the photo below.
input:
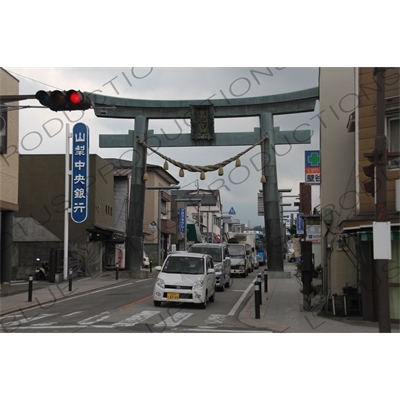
(42, 131)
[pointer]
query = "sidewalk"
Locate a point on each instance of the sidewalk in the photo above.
(281, 310)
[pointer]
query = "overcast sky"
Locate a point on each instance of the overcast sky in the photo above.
(42, 131)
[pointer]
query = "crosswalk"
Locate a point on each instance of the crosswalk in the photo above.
(152, 318)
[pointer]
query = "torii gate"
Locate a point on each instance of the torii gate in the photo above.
(202, 114)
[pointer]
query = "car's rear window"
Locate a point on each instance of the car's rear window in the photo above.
(216, 254)
(184, 265)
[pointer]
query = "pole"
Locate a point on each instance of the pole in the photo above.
(266, 280)
(256, 300)
(259, 286)
(159, 229)
(30, 287)
(185, 239)
(66, 210)
(380, 203)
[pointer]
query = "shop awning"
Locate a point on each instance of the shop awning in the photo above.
(168, 226)
(193, 233)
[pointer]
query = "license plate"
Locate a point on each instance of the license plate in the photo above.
(173, 296)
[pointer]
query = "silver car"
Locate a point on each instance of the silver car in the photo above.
(222, 262)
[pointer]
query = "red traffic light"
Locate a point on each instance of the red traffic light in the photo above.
(70, 100)
(74, 97)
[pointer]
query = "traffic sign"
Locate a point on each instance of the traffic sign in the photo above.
(232, 211)
(80, 173)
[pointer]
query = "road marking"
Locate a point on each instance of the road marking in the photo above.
(135, 302)
(174, 320)
(96, 318)
(215, 319)
(236, 306)
(94, 292)
(26, 320)
(136, 319)
(199, 329)
(73, 313)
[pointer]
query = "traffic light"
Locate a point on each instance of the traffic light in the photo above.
(369, 185)
(70, 100)
(369, 171)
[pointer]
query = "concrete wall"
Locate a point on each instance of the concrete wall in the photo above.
(338, 171)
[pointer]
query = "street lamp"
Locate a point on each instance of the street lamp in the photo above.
(159, 216)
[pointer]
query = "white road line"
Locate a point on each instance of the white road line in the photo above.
(222, 330)
(73, 313)
(137, 318)
(96, 318)
(215, 319)
(26, 320)
(236, 306)
(174, 320)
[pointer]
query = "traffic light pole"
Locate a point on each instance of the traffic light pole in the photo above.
(380, 156)
(66, 211)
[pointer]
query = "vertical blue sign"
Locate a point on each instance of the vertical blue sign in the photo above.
(80, 173)
(181, 220)
(300, 224)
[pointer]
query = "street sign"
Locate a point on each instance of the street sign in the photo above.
(300, 224)
(313, 167)
(181, 220)
(80, 173)
(153, 225)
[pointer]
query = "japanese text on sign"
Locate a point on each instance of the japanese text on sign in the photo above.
(80, 173)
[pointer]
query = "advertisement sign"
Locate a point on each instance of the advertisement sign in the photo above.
(313, 233)
(120, 255)
(182, 220)
(80, 173)
(313, 167)
(300, 224)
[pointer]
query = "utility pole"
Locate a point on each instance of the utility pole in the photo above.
(380, 161)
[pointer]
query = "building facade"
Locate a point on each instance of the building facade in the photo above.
(39, 223)
(349, 107)
(9, 167)
(157, 212)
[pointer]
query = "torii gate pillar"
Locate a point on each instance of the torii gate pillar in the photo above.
(134, 229)
(270, 195)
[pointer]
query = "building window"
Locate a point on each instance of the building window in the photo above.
(393, 135)
(163, 209)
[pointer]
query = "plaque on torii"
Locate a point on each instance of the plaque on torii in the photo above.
(202, 114)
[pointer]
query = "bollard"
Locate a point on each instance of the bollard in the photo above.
(259, 285)
(151, 264)
(70, 280)
(116, 272)
(30, 287)
(256, 300)
(266, 280)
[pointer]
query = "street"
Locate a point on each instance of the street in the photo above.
(128, 307)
